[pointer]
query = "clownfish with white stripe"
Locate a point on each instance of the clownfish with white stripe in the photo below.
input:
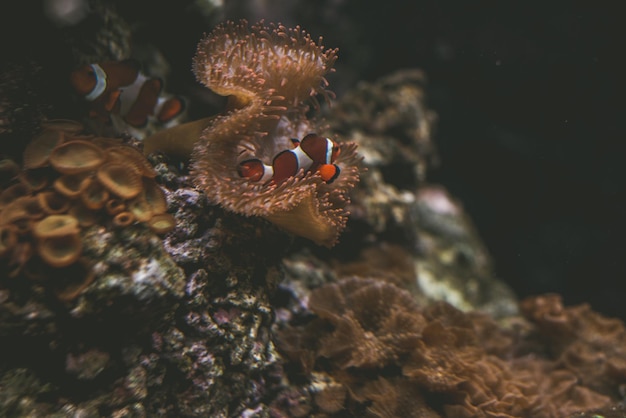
(314, 153)
(119, 88)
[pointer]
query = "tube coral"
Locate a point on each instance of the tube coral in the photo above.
(270, 74)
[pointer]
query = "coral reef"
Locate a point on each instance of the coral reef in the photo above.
(394, 358)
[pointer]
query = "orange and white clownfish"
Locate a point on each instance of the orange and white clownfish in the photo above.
(314, 153)
(119, 88)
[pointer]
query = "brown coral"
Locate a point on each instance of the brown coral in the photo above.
(374, 322)
(70, 182)
(587, 344)
(437, 358)
(268, 73)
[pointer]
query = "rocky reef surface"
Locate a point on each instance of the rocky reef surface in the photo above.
(227, 315)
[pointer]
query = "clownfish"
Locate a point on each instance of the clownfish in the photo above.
(314, 153)
(119, 88)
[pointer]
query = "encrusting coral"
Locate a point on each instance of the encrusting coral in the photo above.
(270, 74)
(397, 359)
(69, 182)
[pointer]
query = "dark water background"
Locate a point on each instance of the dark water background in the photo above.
(531, 135)
(530, 98)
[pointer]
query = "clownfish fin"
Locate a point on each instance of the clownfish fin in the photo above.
(251, 169)
(335, 152)
(157, 83)
(329, 172)
(170, 108)
(112, 100)
(285, 165)
(295, 142)
(153, 86)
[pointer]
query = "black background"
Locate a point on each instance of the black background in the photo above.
(530, 97)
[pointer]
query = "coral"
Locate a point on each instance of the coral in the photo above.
(269, 73)
(70, 182)
(393, 398)
(580, 340)
(391, 121)
(452, 263)
(373, 322)
(394, 358)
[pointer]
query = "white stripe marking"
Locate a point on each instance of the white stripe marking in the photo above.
(268, 173)
(329, 150)
(129, 94)
(304, 161)
(101, 83)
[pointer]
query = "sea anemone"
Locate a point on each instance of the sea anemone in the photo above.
(271, 74)
(70, 182)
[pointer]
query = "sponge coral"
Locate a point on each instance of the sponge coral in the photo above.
(269, 73)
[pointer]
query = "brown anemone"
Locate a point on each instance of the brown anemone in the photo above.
(76, 157)
(56, 226)
(85, 216)
(123, 219)
(34, 180)
(132, 157)
(162, 223)
(120, 179)
(53, 202)
(8, 238)
(72, 185)
(58, 240)
(154, 196)
(39, 149)
(22, 208)
(8, 170)
(269, 73)
(114, 206)
(140, 208)
(60, 251)
(71, 182)
(12, 192)
(94, 196)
